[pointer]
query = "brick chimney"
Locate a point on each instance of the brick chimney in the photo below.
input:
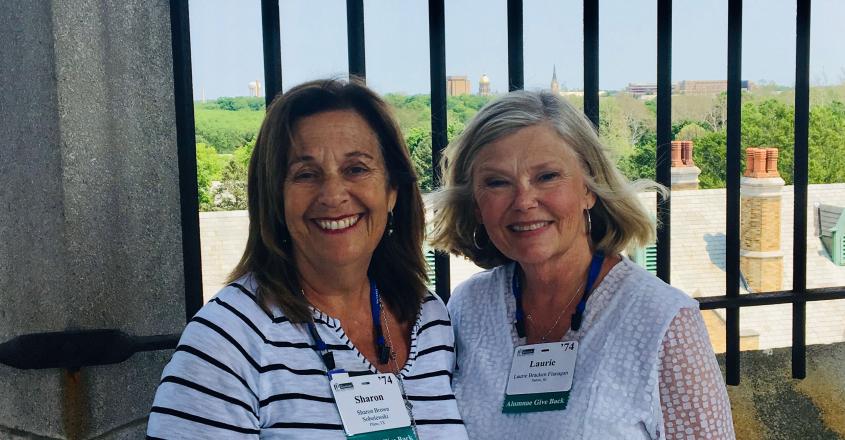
(760, 255)
(684, 172)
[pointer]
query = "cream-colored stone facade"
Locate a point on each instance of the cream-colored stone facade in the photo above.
(761, 259)
(760, 223)
(763, 274)
(684, 186)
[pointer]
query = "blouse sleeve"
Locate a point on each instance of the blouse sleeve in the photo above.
(693, 396)
(204, 391)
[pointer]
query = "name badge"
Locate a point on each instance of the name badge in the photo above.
(371, 407)
(540, 377)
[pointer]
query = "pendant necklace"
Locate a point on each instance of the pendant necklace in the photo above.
(545, 337)
(408, 405)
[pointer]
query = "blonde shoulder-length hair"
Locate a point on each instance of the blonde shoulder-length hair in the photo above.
(618, 217)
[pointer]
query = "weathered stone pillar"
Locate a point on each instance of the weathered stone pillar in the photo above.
(760, 255)
(90, 233)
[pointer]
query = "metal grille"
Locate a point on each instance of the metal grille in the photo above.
(731, 301)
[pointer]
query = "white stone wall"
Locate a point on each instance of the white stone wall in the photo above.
(222, 239)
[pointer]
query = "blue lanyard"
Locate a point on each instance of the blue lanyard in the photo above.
(382, 348)
(577, 317)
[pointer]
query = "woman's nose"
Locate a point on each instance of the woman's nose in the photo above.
(333, 191)
(525, 197)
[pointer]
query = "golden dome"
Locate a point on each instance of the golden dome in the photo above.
(484, 79)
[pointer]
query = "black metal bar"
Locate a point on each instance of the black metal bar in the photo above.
(155, 342)
(355, 38)
(80, 348)
(271, 33)
(770, 298)
(183, 91)
(591, 61)
(733, 159)
(664, 134)
(439, 139)
(516, 69)
(799, 245)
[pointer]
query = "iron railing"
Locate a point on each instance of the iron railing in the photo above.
(731, 301)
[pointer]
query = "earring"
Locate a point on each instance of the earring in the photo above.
(588, 221)
(390, 227)
(285, 237)
(475, 238)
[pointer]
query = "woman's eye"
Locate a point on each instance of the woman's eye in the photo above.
(357, 170)
(303, 176)
(547, 177)
(495, 183)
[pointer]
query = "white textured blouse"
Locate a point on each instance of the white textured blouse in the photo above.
(645, 366)
(240, 372)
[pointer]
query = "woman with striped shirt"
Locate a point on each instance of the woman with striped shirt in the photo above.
(329, 294)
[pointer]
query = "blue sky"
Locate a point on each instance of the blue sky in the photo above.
(227, 49)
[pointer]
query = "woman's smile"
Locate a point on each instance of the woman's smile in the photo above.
(338, 225)
(529, 228)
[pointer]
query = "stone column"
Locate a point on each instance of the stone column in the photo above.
(90, 234)
(684, 173)
(760, 255)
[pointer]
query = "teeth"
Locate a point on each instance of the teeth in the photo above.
(334, 225)
(531, 227)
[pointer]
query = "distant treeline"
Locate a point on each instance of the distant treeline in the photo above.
(226, 130)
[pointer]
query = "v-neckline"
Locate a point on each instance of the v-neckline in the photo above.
(334, 324)
(599, 290)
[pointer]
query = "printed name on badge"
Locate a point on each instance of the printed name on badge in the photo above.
(540, 377)
(371, 407)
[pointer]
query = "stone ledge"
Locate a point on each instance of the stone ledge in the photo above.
(769, 404)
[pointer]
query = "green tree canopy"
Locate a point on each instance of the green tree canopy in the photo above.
(228, 123)
(209, 166)
(627, 127)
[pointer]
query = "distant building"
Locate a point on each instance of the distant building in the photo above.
(457, 85)
(484, 85)
(709, 87)
(555, 86)
(687, 87)
(646, 89)
(255, 88)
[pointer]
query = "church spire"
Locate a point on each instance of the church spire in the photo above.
(555, 86)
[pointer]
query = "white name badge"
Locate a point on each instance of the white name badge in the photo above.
(540, 377)
(371, 407)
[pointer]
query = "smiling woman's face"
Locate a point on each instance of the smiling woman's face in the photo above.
(530, 196)
(336, 191)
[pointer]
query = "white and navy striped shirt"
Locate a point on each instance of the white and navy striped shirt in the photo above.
(240, 372)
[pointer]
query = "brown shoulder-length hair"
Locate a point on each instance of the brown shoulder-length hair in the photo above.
(397, 266)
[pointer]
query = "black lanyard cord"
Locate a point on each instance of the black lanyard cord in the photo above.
(382, 349)
(577, 317)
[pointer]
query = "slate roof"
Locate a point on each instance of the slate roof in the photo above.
(698, 263)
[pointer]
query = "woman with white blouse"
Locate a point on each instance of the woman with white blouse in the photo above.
(563, 337)
(326, 330)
